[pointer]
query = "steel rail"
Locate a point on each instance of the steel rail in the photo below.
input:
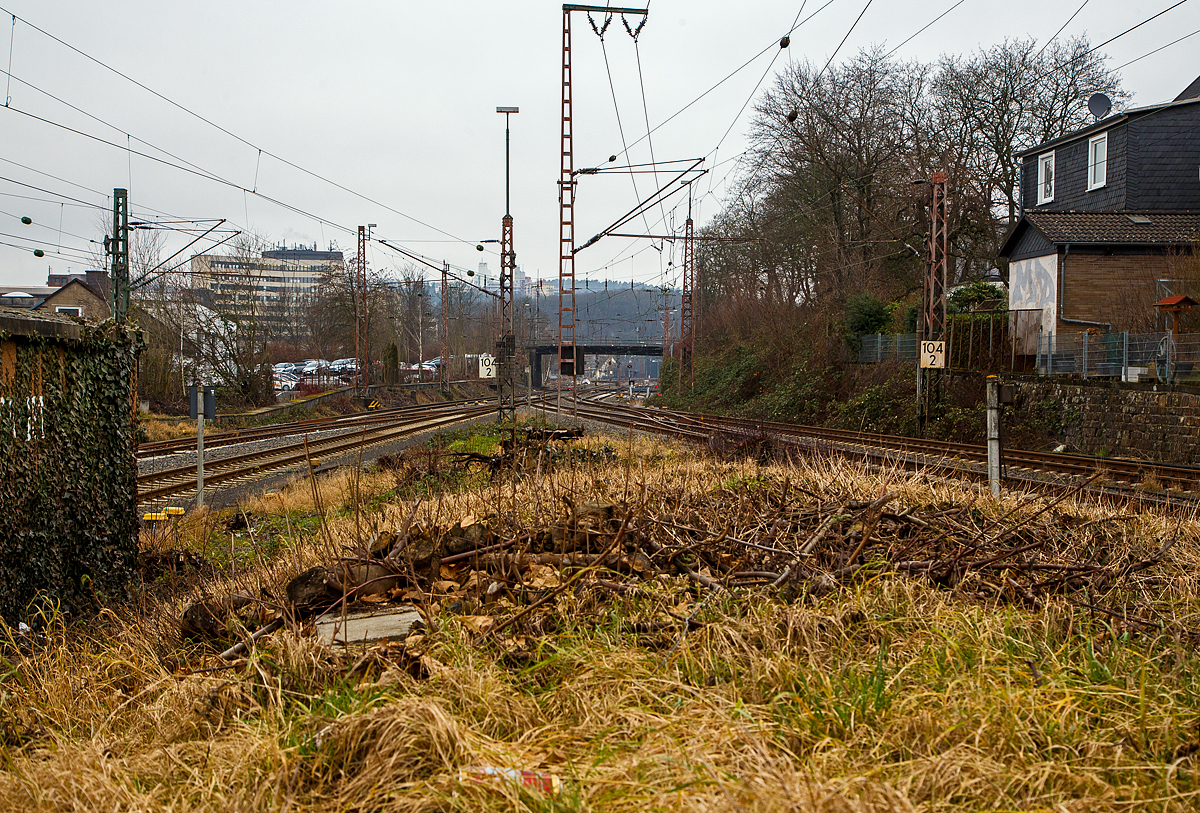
(165, 447)
(951, 454)
(183, 478)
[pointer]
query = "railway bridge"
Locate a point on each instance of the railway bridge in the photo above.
(537, 351)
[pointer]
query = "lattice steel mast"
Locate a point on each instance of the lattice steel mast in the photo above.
(567, 354)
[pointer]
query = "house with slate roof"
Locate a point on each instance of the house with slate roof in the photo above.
(1110, 220)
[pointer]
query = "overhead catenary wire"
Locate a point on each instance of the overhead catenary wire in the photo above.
(186, 166)
(233, 135)
(1057, 67)
(923, 28)
(128, 136)
(616, 107)
(75, 258)
(1061, 28)
(775, 44)
(727, 77)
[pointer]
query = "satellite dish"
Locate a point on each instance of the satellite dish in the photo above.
(1099, 105)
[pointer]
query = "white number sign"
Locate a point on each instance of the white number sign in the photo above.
(933, 355)
(487, 367)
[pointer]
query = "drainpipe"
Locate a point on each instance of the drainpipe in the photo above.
(1062, 295)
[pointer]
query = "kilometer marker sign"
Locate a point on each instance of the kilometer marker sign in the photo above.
(932, 355)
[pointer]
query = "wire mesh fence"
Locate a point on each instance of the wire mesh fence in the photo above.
(1013, 341)
(876, 348)
(987, 341)
(1166, 357)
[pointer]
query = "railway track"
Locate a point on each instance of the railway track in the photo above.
(1019, 464)
(217, 439)
(371, 430)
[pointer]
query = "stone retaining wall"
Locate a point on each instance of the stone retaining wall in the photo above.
(1127, 420)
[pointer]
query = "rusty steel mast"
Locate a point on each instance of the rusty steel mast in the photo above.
(506, 387)
(687, 308)
(567, 354)
(936, 278)
(933, 312)
(444, 330)
(360, 310)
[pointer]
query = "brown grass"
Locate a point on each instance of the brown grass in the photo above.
(168, 430)
(891, 694)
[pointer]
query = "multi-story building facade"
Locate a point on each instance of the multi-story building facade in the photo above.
(276, 287)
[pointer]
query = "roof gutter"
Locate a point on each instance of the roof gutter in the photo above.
(1062, 294)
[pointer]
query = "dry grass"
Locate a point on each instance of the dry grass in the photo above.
(168, 430)
(890, 694)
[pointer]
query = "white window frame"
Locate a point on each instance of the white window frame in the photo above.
(69, 310)
(1042, 197)
(1097, 170)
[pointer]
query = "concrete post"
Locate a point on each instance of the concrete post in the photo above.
(993, 435)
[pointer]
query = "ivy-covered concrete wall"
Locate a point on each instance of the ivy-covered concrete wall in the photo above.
(68, 470)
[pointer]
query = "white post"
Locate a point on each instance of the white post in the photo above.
(993, 435)
(200, 448)
(1085, 349)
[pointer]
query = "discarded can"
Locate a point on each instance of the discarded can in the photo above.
(544, 782)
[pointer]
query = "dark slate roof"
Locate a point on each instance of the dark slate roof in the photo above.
(1108, 228)
(1191, 91)
(1105, 123)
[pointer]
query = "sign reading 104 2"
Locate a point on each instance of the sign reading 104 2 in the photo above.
(933, 355)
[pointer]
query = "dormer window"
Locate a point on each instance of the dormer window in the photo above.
(1045, 178)
(1097, 161)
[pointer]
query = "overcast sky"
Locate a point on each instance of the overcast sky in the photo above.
(396, 102)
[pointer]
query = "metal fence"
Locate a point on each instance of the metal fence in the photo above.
(988, 341)
(880, 347)
(1166, 357)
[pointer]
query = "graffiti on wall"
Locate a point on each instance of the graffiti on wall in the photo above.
(1033, 284)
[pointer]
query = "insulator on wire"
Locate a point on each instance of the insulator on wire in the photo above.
(785, 42)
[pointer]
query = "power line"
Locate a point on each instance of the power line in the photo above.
(50, 192)
(617, 110)
(99, 120)
(853, 26)
(734, 72)
(922, 29)
(646, 115)
(233, 135)
(1063, 26)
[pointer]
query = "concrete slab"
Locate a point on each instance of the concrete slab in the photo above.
(392, 623)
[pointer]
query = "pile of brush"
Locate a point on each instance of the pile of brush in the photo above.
(762, 535)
